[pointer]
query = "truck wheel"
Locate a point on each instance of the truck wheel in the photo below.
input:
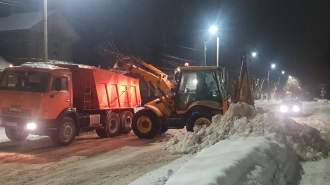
(65, 134)
(126, 118)
(146, 124)
(15, 134)
(112, 125)
(198, 118)
(101, 132)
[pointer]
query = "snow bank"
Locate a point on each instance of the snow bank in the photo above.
(253, 160)
(157, 176)
(247, 121)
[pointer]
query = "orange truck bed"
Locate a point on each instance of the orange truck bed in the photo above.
(99, 89)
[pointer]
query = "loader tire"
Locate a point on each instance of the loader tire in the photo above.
(15, 134)
(198, 118)
(126, 119)
(163, 130)
(146, 124)
(112, 125)
(65, 133)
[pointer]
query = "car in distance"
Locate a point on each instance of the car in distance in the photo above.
(291, 106)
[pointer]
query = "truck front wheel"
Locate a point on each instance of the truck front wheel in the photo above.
(146, 124)
(65, 133)
(15, 134)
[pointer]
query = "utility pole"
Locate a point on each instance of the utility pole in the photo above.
(45, 32)
(268, 90)
(205, 53)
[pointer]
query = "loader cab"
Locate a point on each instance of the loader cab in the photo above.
(197, 84)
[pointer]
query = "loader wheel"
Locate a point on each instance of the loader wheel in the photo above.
(163, 130)
(65, 133)
(126, 118)
(198, 118)
(112, 125)
(146, 124)
(15, 134)
(101, 132)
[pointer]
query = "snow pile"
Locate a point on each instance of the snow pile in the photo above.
(243, 120)
(252, 160)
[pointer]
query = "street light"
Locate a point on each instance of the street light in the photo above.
(254, 54)
(283, 72)
(290, 77)
(273, 66)
(214, 29)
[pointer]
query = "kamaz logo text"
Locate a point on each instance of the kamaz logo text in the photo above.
(15, 109)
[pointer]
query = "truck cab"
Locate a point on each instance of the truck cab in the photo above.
(33, 96)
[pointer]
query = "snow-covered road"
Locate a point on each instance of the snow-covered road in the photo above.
(257, 149)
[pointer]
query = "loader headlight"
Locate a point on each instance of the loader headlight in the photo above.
(31, 126)
(284, 108)
(296, 108)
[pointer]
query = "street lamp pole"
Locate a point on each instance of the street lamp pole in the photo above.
(205, 53)
(45, 32)
(218, 40)
(213, 30)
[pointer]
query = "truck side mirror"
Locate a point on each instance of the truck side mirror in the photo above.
(57, 84)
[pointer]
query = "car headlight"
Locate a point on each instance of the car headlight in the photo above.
(31, 126)
(284, 108)
(296, 108)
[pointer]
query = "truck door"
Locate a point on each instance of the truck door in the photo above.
(59, 97)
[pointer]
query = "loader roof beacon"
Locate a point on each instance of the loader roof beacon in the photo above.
(197, 95)
(60, 99)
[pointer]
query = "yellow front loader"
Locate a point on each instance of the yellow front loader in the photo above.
(198, 95)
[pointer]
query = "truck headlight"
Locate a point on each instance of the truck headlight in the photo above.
(284, 108)
(296, 108)
(31, 126)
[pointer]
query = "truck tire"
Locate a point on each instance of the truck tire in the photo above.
(112, 125)
(65, 133)
(146, 124)
(15, 134)
(198, 118)
(101, 132)
(126, 118)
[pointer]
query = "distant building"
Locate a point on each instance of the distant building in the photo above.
(21, 37)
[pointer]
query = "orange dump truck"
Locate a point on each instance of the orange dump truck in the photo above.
(59, 100)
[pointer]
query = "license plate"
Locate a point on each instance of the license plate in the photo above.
(11, 124)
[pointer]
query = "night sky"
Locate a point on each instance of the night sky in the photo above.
(295, 35)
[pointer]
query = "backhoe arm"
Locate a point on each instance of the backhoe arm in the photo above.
(154, 76)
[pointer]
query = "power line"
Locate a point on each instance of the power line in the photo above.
(188, 48)
(6, 3)
(11, 1)
(177, 58)
(171, 63)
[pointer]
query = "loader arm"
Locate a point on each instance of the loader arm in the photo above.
(154, 77)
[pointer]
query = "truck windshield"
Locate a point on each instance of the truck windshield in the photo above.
(33, 81)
